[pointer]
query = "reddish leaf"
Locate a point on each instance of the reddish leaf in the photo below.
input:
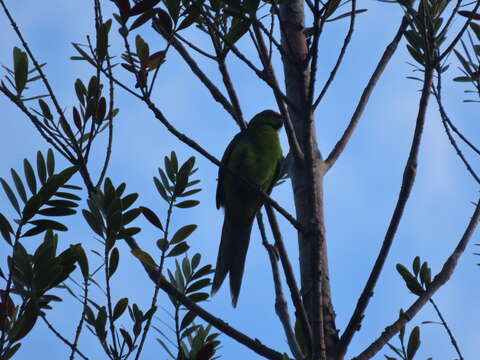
(469, 14)
(142, 6)
(10, 305)
(164, 21)
(124, 8)
(101, 109)
(128, 339)
(155, 60)
(129, 67)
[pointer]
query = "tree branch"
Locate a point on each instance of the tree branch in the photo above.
(253, 344)
(387, 55)
(439, 280)
(281, 307)
(406, 188)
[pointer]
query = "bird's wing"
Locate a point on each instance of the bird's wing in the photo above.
(277, 175)
(221, 170)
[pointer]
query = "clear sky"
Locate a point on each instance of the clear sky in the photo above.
(360, 193)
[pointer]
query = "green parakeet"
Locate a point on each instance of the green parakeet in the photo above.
(256, 155)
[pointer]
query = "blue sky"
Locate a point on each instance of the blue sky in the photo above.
(360, 191)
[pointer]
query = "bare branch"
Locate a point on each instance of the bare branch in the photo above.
(387, 55)
(300, 311)
(447, 329)
(343, 50)
(439, 280)
(406, 188)
(281, 307)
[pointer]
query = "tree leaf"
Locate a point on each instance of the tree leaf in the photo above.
(10, 195)
(30, 176)
(41, 168)
(119, 308)
(151, 217)
(183, 233)
(144, 258)
(178, 249)
(413, 343)
(20, 69)
(114, 259)
(187, 204)
(19, 185)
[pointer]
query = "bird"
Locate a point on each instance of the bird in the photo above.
(254, 158)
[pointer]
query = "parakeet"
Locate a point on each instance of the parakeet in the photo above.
(256, 155)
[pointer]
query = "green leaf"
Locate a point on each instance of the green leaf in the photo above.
(45, 193)
(49, 224)
(173, 7)
(410, 280)
(45, 109)
(130, 215)
(142, 19)
(413, 343)
(102, 39)
(82, 261)
(199, 296)
(200, 284)
(182, 176)
(144, 258)
(416, 265)
(94, 223)
(10, 352)
(114, 259)
(30, 176)
(19, 185)
(151, 217)
(183, 233)
(236, 31)
(187, 319)
(24, 324)
(119, 308)
(41, 168)
(5, 229)
(187, 204)
(195, 260)
(128, 200)
(178, 249)
(161, 189)
(56, 211)
(50, 162)
(80, 90)
(20, 69)
(10, 195)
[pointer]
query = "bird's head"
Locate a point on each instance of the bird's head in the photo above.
(267, 117)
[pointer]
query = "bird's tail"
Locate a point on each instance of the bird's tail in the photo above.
(231, 255)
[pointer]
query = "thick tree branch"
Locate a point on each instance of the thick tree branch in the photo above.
(387, 55)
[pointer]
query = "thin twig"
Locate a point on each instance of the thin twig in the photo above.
(460, 33)
(447, 328)
(63, 339)
(439, 280)
(406, 188)
(300, 311)
(387, 55)
(281, 307)
(343, 50)
(446, 121)
(196, 48)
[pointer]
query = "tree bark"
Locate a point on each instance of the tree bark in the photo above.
(297, 77)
